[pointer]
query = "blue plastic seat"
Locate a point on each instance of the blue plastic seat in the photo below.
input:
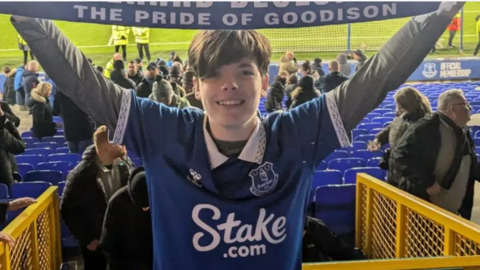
(324, 178)
(38, 151)
(62, 166)
(62, 150)
(61, 187)
(350, 175)
(60, 140)
(382, 111)
(373, 115)
(381, 120)
(335, 205)
(4, 192)
(72, 157)
(343, 164)
(366, 154)
(356, 132)
(30, 140)
(322, 166)
(364, 138)
(28, 189)
(57, 119)
(24, 168)
(374, 162)
(53, 177)
(336, 154)
(476, 141)
(370, 126)
(390, 114)
(28, 134)
(51, 145)
(30, 159)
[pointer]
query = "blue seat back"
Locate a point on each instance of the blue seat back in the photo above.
(364, 138)
(62, 166)
(356, 132)
(28, 134)
(28, 189)
(366, 154)
(374, 162)
(72, 157)
(51, 145)
(62, 150)
(343, 164)
(60, 140)
(370, 126)
(53, 177)
(335, 205)
(24, 168)
(4, 192)
(30, 159)
(39, 151)
(336, 154)
(322, 166)
(30, 140)
(350, 176)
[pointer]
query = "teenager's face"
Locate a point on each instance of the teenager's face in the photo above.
(231, 95)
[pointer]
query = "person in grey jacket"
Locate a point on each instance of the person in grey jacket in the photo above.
(343, 109)
(361, 58)
(345, 68)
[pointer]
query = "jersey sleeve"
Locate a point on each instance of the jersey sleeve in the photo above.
(144, 125)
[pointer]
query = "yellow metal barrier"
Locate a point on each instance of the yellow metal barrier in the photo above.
(392, 224)
(37, 235)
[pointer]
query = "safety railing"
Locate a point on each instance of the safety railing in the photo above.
(37, 235)
(399, 231)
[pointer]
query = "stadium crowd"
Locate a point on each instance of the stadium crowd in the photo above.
(431, 156)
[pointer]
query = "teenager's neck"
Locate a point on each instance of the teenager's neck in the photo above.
(232, 134)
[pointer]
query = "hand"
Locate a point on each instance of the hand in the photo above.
(7, 239)
(374, 146)
(93, 245)
(107, 152)
(433, 190)
(20, 203)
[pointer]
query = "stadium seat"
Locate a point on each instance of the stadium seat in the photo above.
(4, 192)
(370, 126)
(72, 157)
(322, 166)
(57, 119)
(62, 166)
(335, 205)
(62, 150)
(51, 145)
(327, 177)
(373, 115)
(24, 168)
(374, 162)
(60, 132)
(38, 151)
(61, 187)
(336, 154)
(30, 159)
(476, 141)
(375, 131)
(366, 154)
(350, 175)
(477, 149)
(356, 132)
(28, 134)
(57, 139)
(17, 177)
(53, 177)
(30, 140)
(136, 161)
(359, 145)
(28, 189)
(364, 138)
(343, 164)
(382, 111)
(390, 114)
(381, 120)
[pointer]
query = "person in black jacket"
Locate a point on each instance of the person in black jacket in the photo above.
(9, 114)
(435, 158)
(127, 228)
(9, 95)
(118, 76)
(361, 59)
(39, 105)
(133, 73)
(77, 125)
(334, 79)
(145, 86)
(304, 92)
(290, 86)
(275, 96)
(104, 169)
(11, 143)
(320, 244)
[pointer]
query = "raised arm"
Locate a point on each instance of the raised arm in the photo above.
(392, 65)
(66, 65)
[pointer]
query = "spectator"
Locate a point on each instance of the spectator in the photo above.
(100, 69)
(104, 169)
(11, 143)
(51, 98)
(109, 67)
(344, 65)
(304, 92)
(19, 92)
(23, 46)
(43, 124)
(190, 90)
(334, 79)
(120, 39)
(9, 86)
(164, 71)
(360, 57)
(291, 84)
(139, 62)
(452, 29)
(171, 58)
(145, 87)
(13, 205)
(317, 66)
(275, 96)
(30, 79)
(133, 73)
(127, 228)
(163, 92)
(287, 65)
(9, 114)
(477, 31)
(142, 38)
(77, 125)
(435, 158)
(118, 76)
(320, 244)
(176, 73)
(306, 69)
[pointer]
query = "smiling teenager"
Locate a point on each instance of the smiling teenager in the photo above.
(227, 189)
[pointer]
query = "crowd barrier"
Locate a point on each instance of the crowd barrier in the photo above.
(394, 229)
(398, 231)
(37, 234)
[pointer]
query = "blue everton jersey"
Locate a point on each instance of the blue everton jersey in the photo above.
(214, 212)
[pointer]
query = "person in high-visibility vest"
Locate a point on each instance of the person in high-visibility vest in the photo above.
(23, 46)
(477, 30)
(109, 67)
(120, 38)
(142, 38)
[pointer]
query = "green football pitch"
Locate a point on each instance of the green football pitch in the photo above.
(324, 42)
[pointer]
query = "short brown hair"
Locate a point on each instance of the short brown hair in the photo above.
(211, 49)
(409, 99)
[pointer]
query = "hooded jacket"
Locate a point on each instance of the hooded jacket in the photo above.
(9, 88)
(84, 200)
(43, 124)
(29, 81)
(127, 228)
(11, 143)
(275, 96)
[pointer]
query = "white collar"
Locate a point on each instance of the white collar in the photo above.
(252, 152)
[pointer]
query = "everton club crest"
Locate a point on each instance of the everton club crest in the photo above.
(264, 179)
